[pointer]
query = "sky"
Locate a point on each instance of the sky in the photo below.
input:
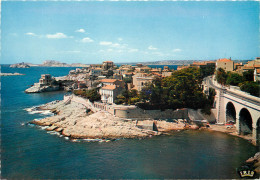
(94, 31)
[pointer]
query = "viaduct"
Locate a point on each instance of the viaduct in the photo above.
(237, 106)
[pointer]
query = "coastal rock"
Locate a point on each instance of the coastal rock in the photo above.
(74, 121)
(51, 128)
(36, 88)
(59, 129)
(254, 162)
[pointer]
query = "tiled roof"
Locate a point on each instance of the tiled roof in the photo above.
(109, 87)
(224, 60)
(248, 67)
(108, 80)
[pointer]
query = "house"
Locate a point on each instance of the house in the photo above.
(107, 65)
(117, 82)
(140, 80)
(257, 75)
(226, 64)
(238, 66)
(96, 72)
(109, 93)
(45, 79)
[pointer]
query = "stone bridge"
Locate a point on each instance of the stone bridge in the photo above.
(238, 107)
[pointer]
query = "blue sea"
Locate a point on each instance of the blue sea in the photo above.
(28, 152)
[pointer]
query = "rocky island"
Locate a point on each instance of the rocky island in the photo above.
(20, 65)
(11, 74)
(47, 63)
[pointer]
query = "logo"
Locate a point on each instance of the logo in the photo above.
(247, 173)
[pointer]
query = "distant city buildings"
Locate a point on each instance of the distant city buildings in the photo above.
(112, 80)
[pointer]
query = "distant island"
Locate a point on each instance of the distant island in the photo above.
(20, 65)
(11, 74)
(48, 63)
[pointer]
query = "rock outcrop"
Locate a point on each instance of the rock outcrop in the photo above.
(252, 164)
(74, 120)
(37, 88)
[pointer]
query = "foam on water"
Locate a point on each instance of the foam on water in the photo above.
(53, 133)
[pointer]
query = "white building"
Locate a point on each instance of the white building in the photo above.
(109, 93)
(257, 75)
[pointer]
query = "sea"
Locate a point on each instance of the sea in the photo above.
(30, 152)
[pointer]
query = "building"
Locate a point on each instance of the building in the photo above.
(94, 66)
(140, 80)
(45, 79)
(116, 82)
(108, 65)
(226, 64)
(238, 66)
(257, 75)
(109, 93)
(96, 72)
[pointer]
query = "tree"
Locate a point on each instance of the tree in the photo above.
(248, 75)
(92, 95)
(109, 73)
(233, 79)
(251, 87)
(207, 71)
(221, 76)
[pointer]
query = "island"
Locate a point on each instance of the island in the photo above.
(11, 74)
(47, 63)
(20, 65)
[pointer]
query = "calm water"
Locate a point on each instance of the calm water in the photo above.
(30, 153)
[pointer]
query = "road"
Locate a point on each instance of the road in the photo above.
(226, 91)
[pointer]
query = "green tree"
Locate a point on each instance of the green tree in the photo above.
(251, 87)
(109, 73)
(207, 71)
(221, 76)
(248, 75)
(233, 79)
(92, 95)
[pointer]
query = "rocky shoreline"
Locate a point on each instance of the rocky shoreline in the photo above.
(36, 88)
(75, 121)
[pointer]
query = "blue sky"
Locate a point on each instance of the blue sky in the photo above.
(91, 32)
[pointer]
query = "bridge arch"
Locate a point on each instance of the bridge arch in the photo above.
(258, 131)
(245, 121)
(230, 112)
